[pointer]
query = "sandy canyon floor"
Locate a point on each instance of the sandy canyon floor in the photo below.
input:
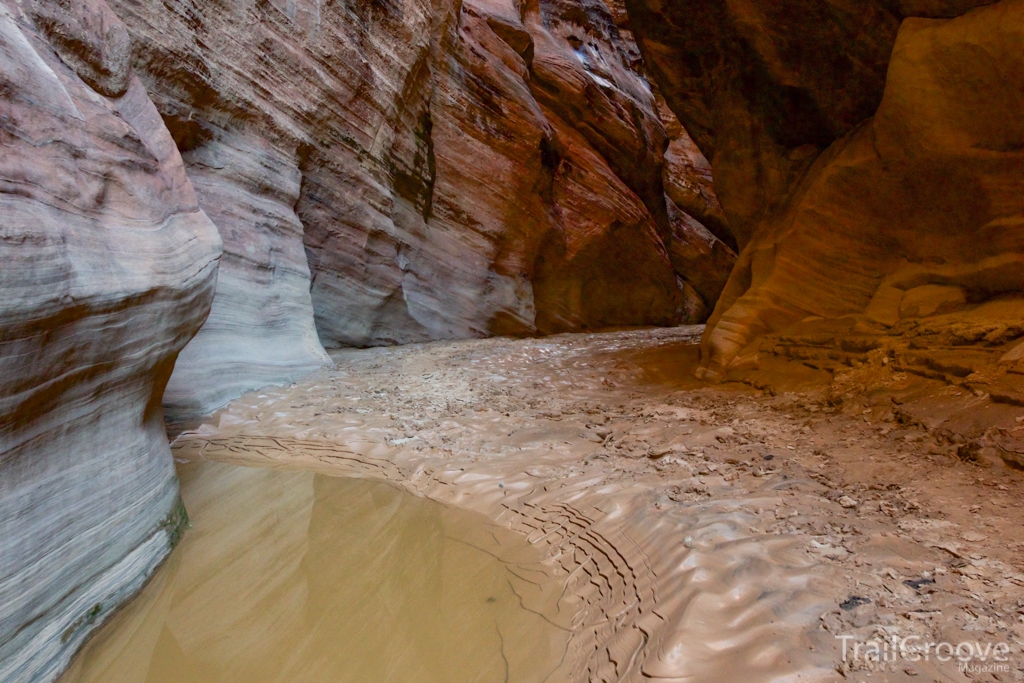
(696, 533)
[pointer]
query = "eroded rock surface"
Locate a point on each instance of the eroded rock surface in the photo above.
(461, 170)
(109, 268)
(884, 214)
(239, 128)
(764, 87)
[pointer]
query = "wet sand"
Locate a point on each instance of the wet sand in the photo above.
(701, 534)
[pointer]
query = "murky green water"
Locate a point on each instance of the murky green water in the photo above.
(291, 577)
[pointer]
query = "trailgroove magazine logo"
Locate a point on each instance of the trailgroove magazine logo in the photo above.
(971, 657)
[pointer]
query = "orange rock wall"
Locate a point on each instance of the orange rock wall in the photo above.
(869, 160)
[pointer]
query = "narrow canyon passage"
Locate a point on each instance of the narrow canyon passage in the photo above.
(592, 341)
(701, 533)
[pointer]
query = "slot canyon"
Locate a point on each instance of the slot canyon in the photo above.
(443, 341)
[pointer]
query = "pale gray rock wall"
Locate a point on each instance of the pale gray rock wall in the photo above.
(108, 270)
(238, 97)
(260, 330)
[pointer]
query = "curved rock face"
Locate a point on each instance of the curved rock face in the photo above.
(239, 117)
(524, 192)
(763, 87)
(904, 233)
(109, 269)
(462, 170)
(260, 330)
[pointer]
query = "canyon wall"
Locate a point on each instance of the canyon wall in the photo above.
(108, 270)
(361, 173)
(447, 170)
(870, 160)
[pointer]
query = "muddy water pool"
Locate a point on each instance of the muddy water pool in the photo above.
(290, 576)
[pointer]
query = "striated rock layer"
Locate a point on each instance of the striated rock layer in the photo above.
(883, 217)
(450, 169)
(375, 174)
(109, 269)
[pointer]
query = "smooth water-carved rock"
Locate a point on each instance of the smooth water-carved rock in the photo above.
(109, 269)
(927, 193)
(465, 170)
(89, 38)
(904, 233)
(763, 87)
(260, 330)
(241, 131)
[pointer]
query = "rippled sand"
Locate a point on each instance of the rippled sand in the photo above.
(705, 535)
(663, 583)
(293, 577)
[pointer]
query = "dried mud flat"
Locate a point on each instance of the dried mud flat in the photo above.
(697, 533)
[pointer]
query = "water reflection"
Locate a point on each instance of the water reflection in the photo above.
(292, 577)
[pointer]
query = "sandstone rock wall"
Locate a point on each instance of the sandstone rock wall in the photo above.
(881, 217)
(108, 270)
(237, 95)
(463, 169)
(763, 87)
(448, 170)
(260, 330)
